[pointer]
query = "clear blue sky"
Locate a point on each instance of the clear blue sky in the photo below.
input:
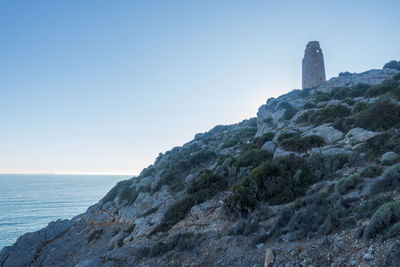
(104, 86)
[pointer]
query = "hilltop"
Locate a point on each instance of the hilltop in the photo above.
(314, 179)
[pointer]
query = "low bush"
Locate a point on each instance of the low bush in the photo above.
(149, 211)
(203, 188)
(264, 138)
(324, 166)
(388, 117)
(343, 124)
(302, 144)
(328, 114)
(383, 88)
(95, 235)
(309, 105)
(387, 215)
(322, 97)
(130, 228)
(276, 182)
(289, 113)
(361, 106)
(206, 180)
(319, 213)
(252, 157)
(369, 207)
(179, 242)
(390, 180)
(347, 92)
(372, 171)
(123, 191)
(287, 135)
(347, 183)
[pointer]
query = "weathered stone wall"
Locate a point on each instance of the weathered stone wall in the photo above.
(313, 66)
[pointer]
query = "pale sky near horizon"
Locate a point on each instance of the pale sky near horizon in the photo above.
(104, 86)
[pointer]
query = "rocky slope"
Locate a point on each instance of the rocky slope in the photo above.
(314, 180)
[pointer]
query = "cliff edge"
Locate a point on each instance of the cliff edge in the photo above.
(313, 180)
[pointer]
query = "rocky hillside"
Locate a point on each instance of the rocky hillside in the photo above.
(314, 180)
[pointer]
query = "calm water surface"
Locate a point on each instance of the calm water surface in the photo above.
(29, 202)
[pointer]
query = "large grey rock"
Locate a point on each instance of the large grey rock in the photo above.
(280, 153)
(326, 132)
(269, 116)
(269, 146)
(23, 251)
(390, 158)
(358, 135)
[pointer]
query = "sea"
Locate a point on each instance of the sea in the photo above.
(29, 202)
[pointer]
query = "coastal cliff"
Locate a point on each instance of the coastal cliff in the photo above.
(314, 179)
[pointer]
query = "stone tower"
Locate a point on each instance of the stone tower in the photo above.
(313, 65)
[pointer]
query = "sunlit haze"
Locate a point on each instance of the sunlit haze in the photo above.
(104, 86)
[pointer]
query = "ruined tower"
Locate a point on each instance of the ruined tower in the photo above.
(313, 65)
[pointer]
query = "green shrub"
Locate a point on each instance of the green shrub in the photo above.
(149, 211)
(130, 228)
(328, 114)
(322, 97)
(289, 113)
(180, 242)
(387, 215)
(388, 116)
(372, 171)
(396, 92)
(381, 89)
(286, 135)
(361, 106)
(95, 235)
(317, 213)
(369, 207)
(205, 181)
(343, 124)
(390, 180)
(324, 166)
(349, 101)
(346, 92)
(198, 192)
(276, 182)
(264, 138)
(302, 144)
(252, 157)
(309, 105)
(123, 191)
(340, 92)
(345, 184)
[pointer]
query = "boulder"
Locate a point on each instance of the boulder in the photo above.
(358, 135)
(280, 153)
(326, 132)
(390, 158)
(269, 146)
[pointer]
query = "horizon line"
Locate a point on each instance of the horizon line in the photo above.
(56, 173)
